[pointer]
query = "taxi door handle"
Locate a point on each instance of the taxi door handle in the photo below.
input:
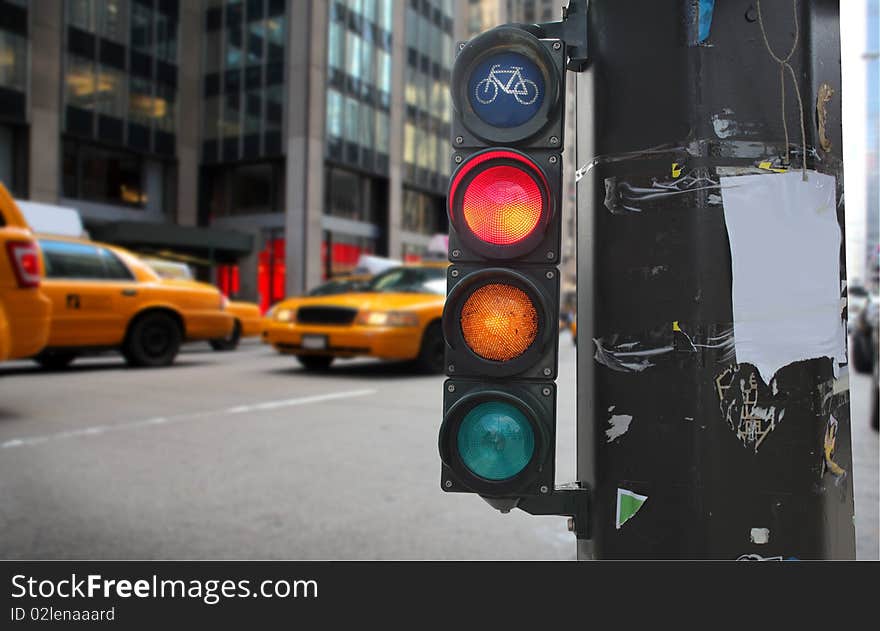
(129, 292)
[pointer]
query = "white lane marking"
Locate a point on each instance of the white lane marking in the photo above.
(161, 420)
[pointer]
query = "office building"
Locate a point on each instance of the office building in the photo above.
(270, 142)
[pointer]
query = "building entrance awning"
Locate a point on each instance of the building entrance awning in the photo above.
(211, 245)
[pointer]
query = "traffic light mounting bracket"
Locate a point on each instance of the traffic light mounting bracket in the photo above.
(567, 500)
(573, 31)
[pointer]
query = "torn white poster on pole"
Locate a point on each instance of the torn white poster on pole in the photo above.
(785, 251)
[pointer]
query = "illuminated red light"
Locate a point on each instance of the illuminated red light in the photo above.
(499, 198)
(502, 205)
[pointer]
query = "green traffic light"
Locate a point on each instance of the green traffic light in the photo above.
(495, 441)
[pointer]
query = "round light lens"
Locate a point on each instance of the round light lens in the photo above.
(495, 440)
(506, 89)
(499, 322)
(502, 205)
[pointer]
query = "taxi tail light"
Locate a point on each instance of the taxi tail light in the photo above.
(24, 257)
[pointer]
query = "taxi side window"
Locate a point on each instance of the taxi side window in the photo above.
(81, 261)
(2, 219)
(114, 268)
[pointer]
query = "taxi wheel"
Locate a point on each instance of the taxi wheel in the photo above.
(55, 361)
(228, 343)
(431, 354)
(153, 340)
(315, 362)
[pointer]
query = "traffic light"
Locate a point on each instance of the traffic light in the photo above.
(501, 318)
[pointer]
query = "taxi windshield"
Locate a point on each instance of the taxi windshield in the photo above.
(419, 280)
(339, 286)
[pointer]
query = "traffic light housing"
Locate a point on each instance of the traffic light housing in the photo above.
(501, 319)
(518, 418)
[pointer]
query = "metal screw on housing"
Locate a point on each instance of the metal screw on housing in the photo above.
(549, 274)
(451, 388)
(454, 273)
(458, 159)
(448, 484)
(553, 159)
(557, 45)
(545, 489)
(545, 392)
(456, 253)
(451, 368)
(554, 140)
(548, 372)
(550, 254)
(459, 140)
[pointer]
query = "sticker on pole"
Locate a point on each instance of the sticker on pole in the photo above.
(628, 504)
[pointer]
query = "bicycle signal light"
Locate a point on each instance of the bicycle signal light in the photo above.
(507, 87)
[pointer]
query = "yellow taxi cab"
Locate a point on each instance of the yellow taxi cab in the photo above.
(248, 320)
(24, 310)
(105, 297)
(345, 284)
(397, 316)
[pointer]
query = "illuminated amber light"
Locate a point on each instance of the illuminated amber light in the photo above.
(502, 205)
(499, 322)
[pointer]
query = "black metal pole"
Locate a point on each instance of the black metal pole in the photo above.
(685, 449)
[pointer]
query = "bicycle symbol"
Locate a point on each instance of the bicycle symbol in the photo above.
(525, 91)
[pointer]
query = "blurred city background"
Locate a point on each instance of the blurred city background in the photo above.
(269, 145)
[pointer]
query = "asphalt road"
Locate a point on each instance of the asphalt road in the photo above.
(244, 456)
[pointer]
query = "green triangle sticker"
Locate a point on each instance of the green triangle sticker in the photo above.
(628, 504)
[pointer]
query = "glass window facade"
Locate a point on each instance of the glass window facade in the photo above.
(340, 252)
(359, 83)
(429, 58)
(243, 84)
(115, 176)
(13, 61)
(423, 213)
(360, 202)
(120, 73)
(348, 196)
(245, 189)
